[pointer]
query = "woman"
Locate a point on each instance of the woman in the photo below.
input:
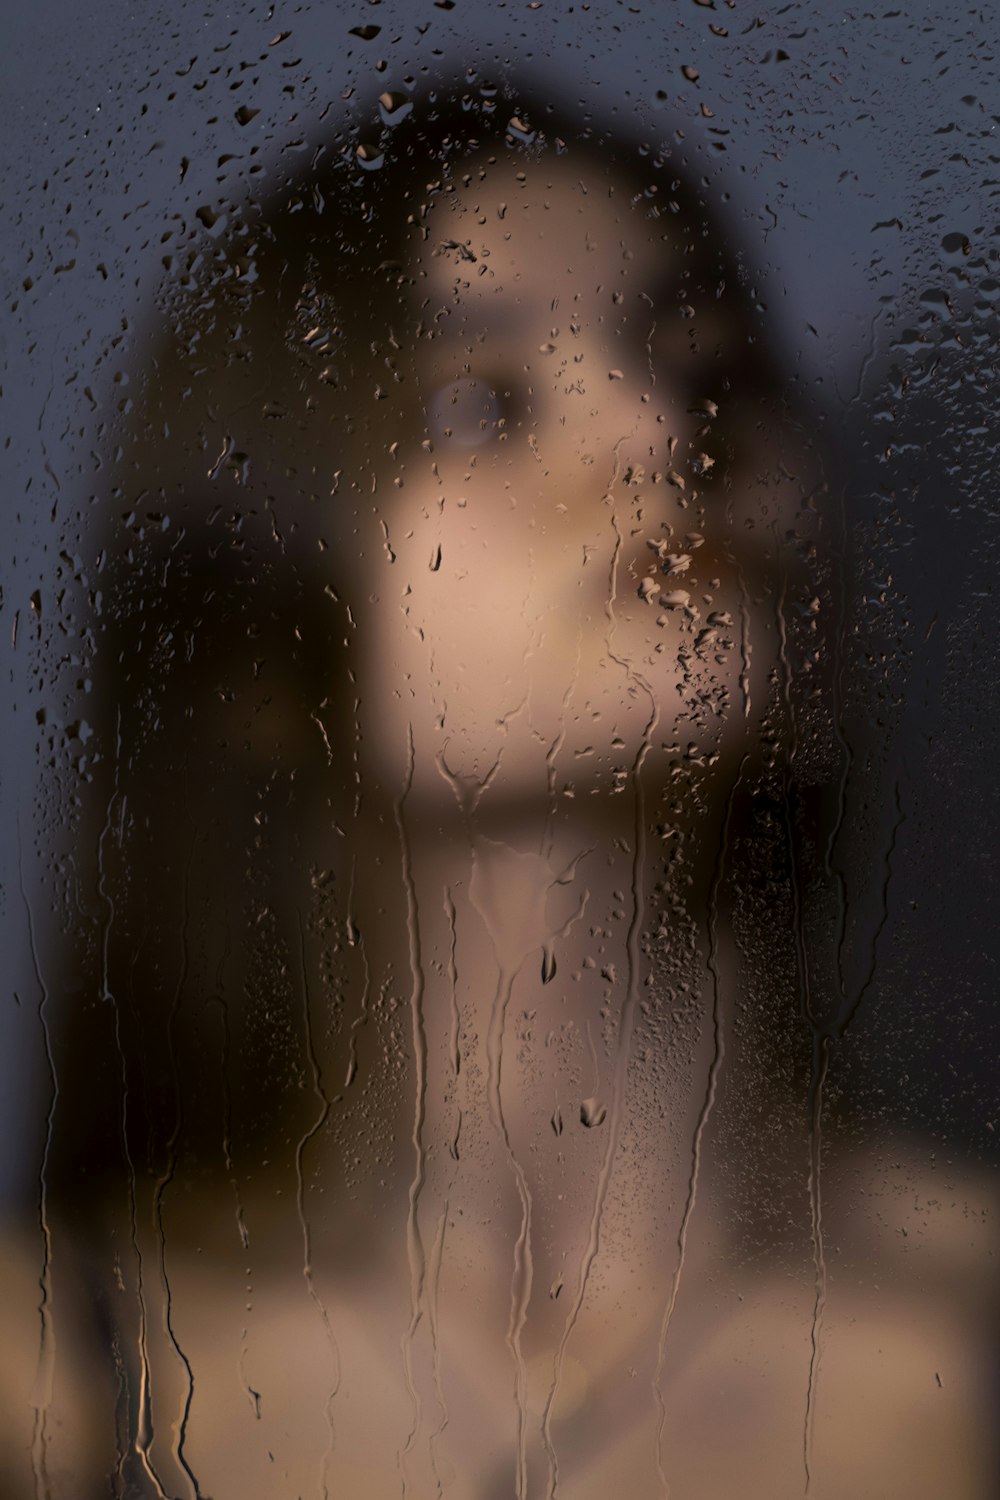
(465, 657)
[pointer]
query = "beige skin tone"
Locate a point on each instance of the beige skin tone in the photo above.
(510, 624)
(507, 693)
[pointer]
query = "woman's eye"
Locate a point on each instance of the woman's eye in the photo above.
(468, 412)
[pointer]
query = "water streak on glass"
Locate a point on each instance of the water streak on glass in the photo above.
(499, 792)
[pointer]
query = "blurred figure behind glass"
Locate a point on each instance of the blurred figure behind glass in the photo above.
(436, 1069)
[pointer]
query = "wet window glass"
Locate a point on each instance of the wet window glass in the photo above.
(499, 784)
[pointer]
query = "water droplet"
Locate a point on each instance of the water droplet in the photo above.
(370, 157)
(521, 129)
(394, 107)
(956, 244)
(207, 216)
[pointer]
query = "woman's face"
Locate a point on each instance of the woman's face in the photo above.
(549, 585)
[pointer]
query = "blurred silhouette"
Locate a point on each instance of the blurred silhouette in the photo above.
(440, 1056)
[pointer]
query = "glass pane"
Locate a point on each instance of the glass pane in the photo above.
(499, 791)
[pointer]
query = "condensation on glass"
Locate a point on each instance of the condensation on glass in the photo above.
(490, 633)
